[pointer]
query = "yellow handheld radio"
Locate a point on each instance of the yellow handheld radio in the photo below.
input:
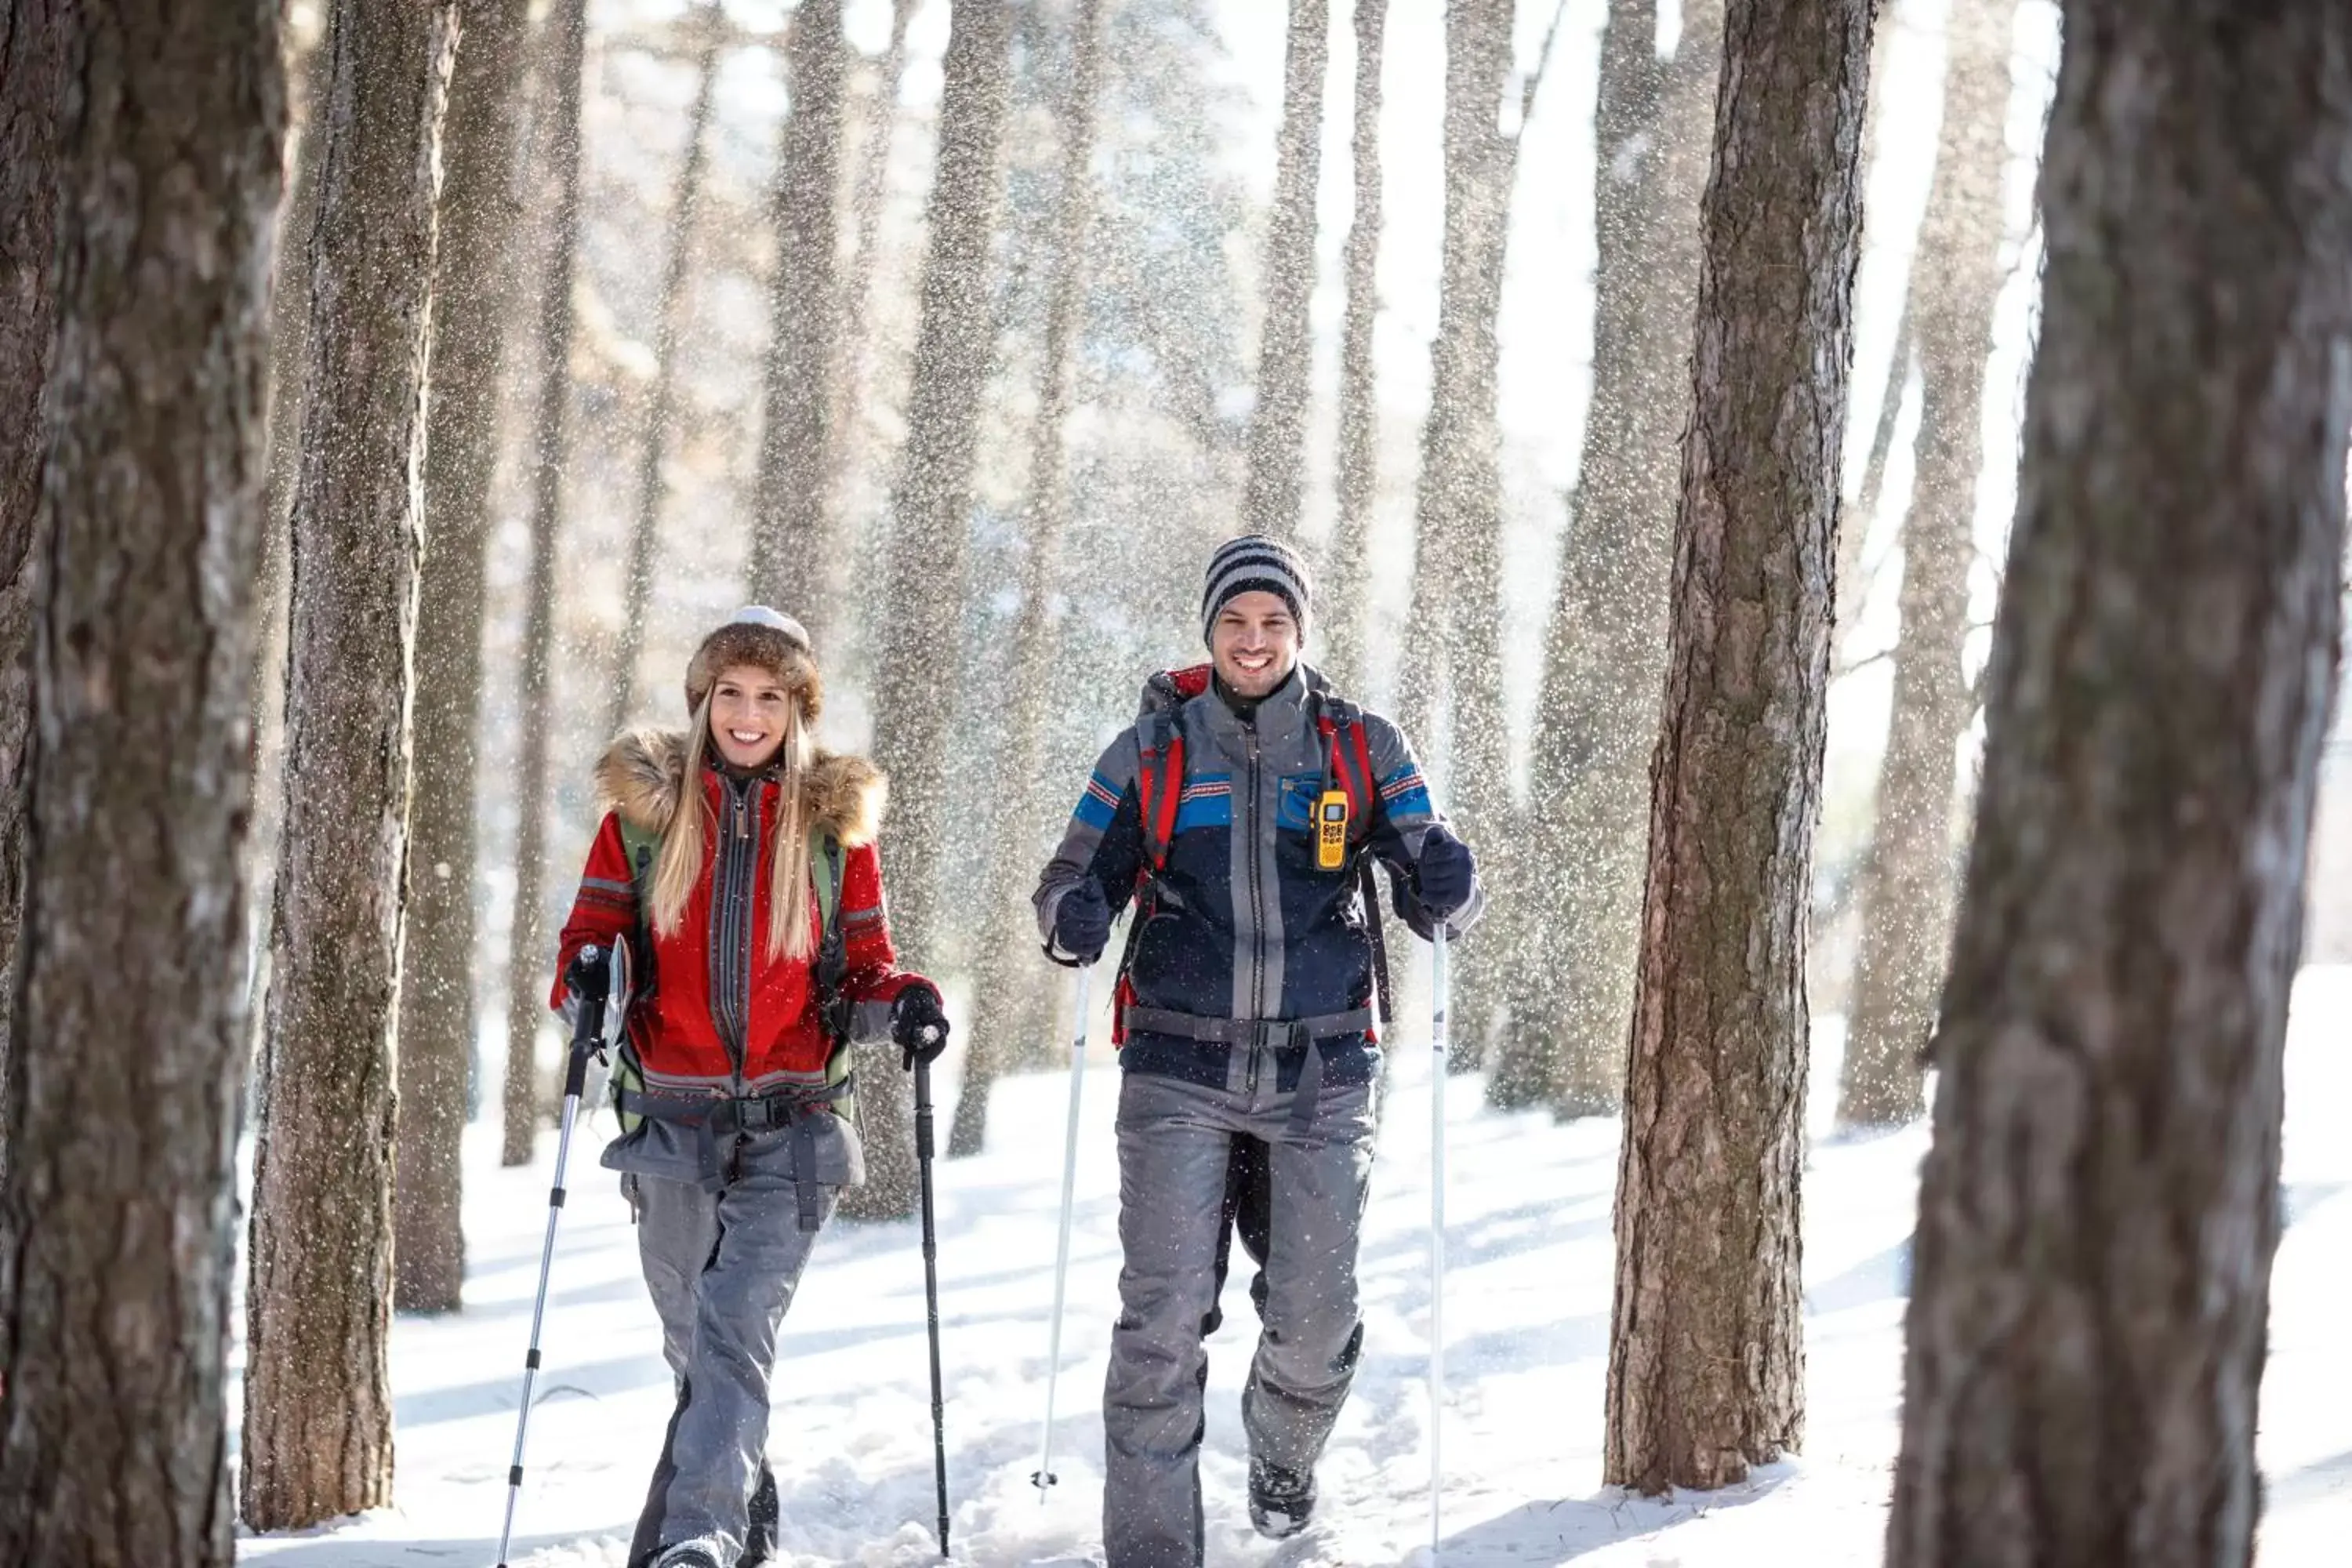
(1331, 830)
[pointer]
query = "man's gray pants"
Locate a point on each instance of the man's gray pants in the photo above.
(1174, 1141)
(722, 1262)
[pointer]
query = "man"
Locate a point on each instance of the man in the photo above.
(1237, 811)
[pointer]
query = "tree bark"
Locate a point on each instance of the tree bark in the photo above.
(1342, 607)
(478, 218)
(927, 557)
(661, 410)
(2099, 1209)
(1905, 901)
(1010, 974)
(30, 86)
(318, 1405)
(1277, 432)
(1706, 1351)
(1459, 504)
(854, 368)
(527, 950)
(797, 562)
(1578, 935)
(127, 1077)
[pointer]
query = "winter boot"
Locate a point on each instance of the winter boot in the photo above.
(692, 1555)
(1281, 1500)
(760, 1539)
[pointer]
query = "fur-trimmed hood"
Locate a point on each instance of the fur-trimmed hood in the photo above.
(642, 775)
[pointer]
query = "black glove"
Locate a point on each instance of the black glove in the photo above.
(590, 972)
(918, 1027)
(1082, 922)
(1444, 876)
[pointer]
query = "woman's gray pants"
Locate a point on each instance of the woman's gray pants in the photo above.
(1174, 1141)
(722, 1264)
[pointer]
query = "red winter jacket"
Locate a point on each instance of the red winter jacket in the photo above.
(724, 1016)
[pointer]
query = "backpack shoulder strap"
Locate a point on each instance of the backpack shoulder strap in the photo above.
(1347, 760)
(824, 868)
(1160, 782)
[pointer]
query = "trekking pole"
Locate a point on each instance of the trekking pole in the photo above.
(1437, 1039)
(931, 1289)
(587, 1035)
(1044, 1477)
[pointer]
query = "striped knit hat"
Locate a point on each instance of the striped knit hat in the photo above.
(1256, 562)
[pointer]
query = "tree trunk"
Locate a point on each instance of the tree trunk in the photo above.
(128, 1076)
(1905, 901)
(661, 411)
(1010, 974)
(318, 1404)
(1277, 432)
(1342, 608)
(1459, 502)
(527, 950)
(30, 84)
(1706, 1351)
(308, 66)
(926, 564)
(478, 218)
(797, 562)
(854, 361)
(2098, 1212)
(1576, 929)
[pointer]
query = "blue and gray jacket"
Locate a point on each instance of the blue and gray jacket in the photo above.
(1242, 941)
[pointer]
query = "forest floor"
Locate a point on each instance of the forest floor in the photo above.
(1525, 1322)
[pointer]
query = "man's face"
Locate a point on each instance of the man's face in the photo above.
(1254, 643)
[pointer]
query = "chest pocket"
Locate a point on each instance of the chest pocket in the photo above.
(1295, 811)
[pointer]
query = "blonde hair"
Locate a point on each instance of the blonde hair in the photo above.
(791, 932)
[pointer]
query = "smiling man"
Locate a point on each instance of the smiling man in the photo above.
(1242, 813)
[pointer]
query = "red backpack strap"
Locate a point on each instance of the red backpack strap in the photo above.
(1160, 785)
(1348, 760)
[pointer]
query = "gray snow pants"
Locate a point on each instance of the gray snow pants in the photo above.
(1175, 1139)
(722, 1261)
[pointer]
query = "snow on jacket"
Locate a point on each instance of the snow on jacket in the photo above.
(723, 1016)
(1243, 924)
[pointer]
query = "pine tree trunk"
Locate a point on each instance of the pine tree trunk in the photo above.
(30, 81)
(1905, 901)
(1010, 974)
(854, 359)
(1458, 505)
(127, 1074)
(661, 410)
(317, 1406)
(307, 75)
(1706, 1351)
(797, 562)
(926, 558)
(1277, 432)
(2099, 1209)
(527, 953)
(1340, 603)
(477, 218)
(1574, 934)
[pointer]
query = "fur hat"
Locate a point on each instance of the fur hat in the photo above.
(765, 639)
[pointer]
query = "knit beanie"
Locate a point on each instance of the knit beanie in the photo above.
(765, 639)
(1256, 562)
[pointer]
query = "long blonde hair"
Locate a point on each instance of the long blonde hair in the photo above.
(791, 932)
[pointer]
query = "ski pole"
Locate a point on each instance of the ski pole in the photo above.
(587, 1035)
(931, 1289)
(1437, 1039)
(1044, 1477)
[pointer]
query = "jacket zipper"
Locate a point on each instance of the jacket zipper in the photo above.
(738, 864)
(1258, 909)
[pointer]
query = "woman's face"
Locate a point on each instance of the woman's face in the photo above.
(749, 713)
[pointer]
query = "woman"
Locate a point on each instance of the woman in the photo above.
(736, 863)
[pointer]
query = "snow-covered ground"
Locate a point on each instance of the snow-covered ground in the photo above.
(1526, 1322)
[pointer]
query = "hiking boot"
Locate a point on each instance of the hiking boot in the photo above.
(693, 1555)
(1281, 1500)
(760, 1539)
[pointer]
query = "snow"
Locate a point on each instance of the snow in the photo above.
(1525, 1318)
